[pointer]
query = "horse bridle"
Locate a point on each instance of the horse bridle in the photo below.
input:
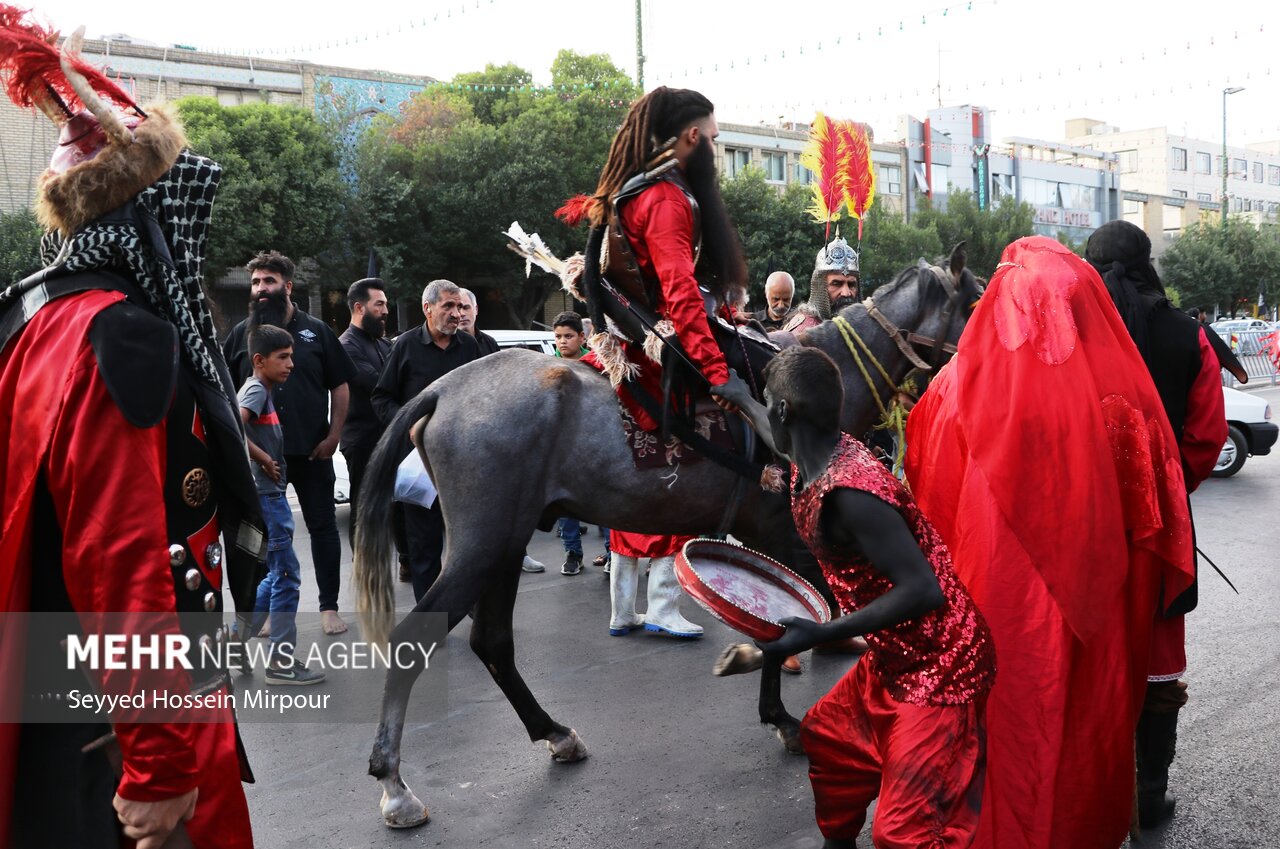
(938, 349)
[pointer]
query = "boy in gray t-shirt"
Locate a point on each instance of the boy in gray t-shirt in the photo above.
(272, 351)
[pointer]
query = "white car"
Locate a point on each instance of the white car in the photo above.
(1249, 431)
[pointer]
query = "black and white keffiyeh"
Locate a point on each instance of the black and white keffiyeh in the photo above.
(158, 240)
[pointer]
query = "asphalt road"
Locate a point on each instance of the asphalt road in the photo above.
(677, 758)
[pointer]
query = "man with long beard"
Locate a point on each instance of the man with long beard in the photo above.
(365, 341)
(668, 247)
(313, 409)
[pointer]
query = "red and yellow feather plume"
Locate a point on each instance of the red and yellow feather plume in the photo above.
(859, 178)
(826, 151)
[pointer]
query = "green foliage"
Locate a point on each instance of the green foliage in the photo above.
(1224, 264)
(985, 233)
(777, 234)
(890, 245)
(19, 246)
(280, 183)
(438, 186)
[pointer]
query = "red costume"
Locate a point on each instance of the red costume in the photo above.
(645, 545)
(659, 224)
(122, 457)
(1043, 456)
(906, 724)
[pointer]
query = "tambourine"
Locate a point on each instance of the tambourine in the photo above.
(745, 590)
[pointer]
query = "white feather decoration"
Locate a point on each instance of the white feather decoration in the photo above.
(534, 251)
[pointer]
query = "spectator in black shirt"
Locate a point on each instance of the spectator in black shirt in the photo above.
(470, 312)
(366, 344)
(417, 358)
(312, 407)
(779, 289)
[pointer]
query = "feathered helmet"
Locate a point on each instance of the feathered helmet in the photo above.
(836, 256)
(108, 150)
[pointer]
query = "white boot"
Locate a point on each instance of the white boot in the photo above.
(624, 580)
(664, 601)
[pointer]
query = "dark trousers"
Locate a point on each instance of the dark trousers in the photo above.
(312, 482)
(357, 457)
(425, 531)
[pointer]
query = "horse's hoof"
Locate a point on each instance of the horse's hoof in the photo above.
(790, 738)
(567, 748)
(404, 810)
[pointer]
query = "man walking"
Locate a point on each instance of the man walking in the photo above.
(312, 409)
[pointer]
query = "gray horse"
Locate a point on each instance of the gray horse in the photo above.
(495, 435)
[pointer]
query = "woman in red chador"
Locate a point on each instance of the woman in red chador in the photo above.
(906, 724)
(1043, 456)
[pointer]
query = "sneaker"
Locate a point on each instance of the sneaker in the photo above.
(531, 565)
(572, 564)
(295, 675)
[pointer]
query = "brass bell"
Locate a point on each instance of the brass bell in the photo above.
(210, 601)
(213, 555)
(192, 579)
(177, 555)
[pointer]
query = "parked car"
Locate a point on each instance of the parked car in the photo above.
(534, 340)
(1249, 431)
(1244, 335)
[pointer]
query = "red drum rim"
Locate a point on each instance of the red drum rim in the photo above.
(759, 565)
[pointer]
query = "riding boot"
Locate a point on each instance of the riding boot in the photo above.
(664, 601)
(624, 580)
(1157, 740)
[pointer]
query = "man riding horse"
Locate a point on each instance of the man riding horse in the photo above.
(663, 256)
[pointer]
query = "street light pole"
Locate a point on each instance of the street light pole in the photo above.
(1225, 161)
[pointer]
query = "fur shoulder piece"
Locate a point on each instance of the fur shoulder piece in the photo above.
(86, 192)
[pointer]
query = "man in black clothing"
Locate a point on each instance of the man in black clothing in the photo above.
(417, 358)
(313, 409)
(366, 344)
(779, 289)
(470, 312)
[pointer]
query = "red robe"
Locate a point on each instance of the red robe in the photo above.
(630, 544)
(659, 224)
(1043, 456)
(106, 478)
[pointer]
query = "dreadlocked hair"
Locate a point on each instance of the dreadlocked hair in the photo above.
(651, 121)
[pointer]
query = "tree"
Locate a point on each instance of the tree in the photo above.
(1223, 264)
(890, 245)
(986, 233)
(777, 234)
(447, 184)
(19, 246)
(280, 185)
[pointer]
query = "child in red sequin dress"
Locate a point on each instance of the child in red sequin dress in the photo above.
(907, 723)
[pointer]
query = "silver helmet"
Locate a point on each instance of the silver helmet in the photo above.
(837, 256)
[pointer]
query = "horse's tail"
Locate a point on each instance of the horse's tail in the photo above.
(372, 568)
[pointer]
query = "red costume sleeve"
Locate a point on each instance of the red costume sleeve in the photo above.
(106, 478)
(1205, 429)
(662, 222)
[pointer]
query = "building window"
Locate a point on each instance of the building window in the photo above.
(1179, 159)
(803, 175)
(1078, 197)
(1257, 172)
(1239, 169)
(1204, 197)
(775, 166)
(1204, 163)
(1178, 193)
(1132, 207)
(1273, 175)
(1128, 161)
(889, 178)
(1001, 186)
(1273, 208)
(736, 160)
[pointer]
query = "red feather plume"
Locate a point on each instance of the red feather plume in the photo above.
(827, 147)
(859, 177)
(32, 66)
(576, 209)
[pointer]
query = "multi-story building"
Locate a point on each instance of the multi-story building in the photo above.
(776, 151)
(1073, 190)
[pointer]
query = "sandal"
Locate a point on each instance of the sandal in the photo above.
(600, 560)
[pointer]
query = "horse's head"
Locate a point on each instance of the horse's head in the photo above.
(931, 303)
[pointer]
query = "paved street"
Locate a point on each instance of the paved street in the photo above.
(677, 757)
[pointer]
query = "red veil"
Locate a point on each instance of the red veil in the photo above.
(1043, 456)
